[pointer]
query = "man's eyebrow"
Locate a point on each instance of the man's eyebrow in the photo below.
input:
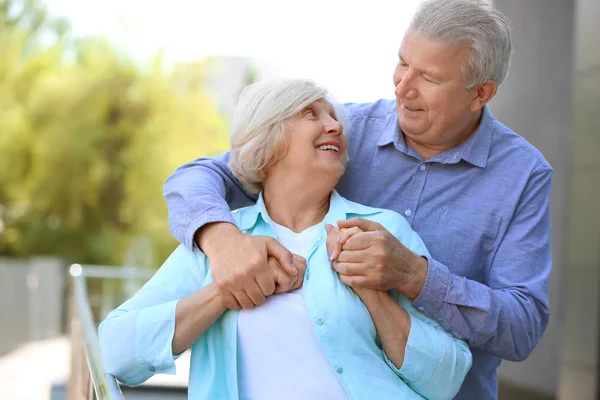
(429, 72)
(432, 74)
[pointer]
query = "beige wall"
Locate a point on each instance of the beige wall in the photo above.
(536, 102)
(552, 98)
(579, 363)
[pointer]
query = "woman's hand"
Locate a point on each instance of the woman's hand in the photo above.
(336, 238)
(284, 282)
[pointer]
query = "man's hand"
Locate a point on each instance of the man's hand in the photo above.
(374, 258)
(241, 267)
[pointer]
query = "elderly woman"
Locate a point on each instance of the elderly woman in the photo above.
(322, 340)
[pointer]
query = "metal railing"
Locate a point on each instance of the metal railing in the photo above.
(88, 379)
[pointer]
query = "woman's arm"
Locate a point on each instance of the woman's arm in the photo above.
(391, 321)
(430, 360)
(194, 315)
(138, 338)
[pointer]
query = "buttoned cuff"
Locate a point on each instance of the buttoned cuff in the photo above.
(420, 356)
(155, 328)
(434, 291)
(201, 220)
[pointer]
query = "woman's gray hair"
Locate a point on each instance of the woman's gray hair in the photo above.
(474, 22)
(259, 127)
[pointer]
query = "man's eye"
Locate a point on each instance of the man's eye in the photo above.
(311, 113)
(428, 79)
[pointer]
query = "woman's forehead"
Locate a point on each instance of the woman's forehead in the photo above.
(325, 104)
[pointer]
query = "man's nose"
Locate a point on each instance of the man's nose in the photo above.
(406, 88)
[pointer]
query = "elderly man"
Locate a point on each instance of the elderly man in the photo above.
(476, 192)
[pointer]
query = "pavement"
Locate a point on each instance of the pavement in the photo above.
(28, 372)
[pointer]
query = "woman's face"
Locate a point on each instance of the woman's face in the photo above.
(316, 144)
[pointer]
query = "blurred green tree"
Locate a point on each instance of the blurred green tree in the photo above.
(87, 138)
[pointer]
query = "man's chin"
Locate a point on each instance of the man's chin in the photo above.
(407, 127)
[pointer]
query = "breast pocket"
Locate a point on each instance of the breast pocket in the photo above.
(468, 241)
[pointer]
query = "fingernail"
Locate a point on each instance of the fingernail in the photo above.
(339, 239)
(332, 256)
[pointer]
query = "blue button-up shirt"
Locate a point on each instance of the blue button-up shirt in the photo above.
(481, 208)
(136, 337)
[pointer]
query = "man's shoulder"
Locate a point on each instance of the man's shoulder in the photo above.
(516, 148)
(380, 109)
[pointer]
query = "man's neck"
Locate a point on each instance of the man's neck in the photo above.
(430, 150)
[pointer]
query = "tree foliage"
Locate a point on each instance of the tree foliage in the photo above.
(87, 139)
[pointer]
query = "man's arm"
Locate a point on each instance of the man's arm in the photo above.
(508, 316)
(200, 196)
(202, 192)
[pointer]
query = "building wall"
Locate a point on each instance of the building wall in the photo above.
(31, 300)
(580, 351)
(536, 102)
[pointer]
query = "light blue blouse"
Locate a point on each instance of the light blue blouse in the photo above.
(136, 337)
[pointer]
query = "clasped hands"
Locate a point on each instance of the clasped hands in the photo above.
(367, 257)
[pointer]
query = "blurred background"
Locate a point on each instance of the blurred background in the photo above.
(101, 101)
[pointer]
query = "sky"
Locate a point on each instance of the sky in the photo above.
(350, 47)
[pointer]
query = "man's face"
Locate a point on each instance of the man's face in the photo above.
(434, 108)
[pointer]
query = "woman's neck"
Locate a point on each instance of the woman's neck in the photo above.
(294, 205)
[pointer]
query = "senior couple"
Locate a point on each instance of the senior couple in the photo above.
(419, 297)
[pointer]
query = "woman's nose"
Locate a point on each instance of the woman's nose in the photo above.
(332, 126)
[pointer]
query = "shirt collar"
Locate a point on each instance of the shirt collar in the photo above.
(475, 150)
(339, 209)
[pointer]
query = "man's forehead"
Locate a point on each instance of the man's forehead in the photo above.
(417, 48)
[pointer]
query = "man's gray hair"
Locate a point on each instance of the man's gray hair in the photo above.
(260, 129)
(476, 23)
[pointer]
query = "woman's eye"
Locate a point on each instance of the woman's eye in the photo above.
(311, 113)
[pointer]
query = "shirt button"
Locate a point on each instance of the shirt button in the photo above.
(152, 369)
(320, 322)
(407, 212)
(340, 370)
(421, 308)
(423, 167)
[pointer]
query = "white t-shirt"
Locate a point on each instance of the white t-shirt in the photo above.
(279, 355)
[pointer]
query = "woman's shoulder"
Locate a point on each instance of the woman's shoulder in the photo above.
(389, 219)
(184, 258)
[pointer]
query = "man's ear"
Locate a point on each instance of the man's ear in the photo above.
(482, 94)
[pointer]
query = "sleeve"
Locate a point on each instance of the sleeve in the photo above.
(136, 337)
(508, 316)
(202, 192)
(435, 362)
